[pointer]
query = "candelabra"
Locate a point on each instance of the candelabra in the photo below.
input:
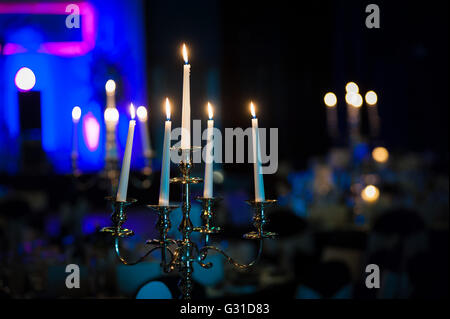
(184, 252)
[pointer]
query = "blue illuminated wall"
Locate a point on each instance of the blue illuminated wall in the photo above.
(66, 81)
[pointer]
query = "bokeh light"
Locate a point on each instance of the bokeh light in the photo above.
(111, 115)
(371, 98)
(141, 113)
(25, 79)
(110, 86)
(380, 154)
(76, 114)
(370, 194)
(330, 99)
(352, 87)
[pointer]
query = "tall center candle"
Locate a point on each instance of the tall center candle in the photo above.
(186, 107)
(208, 187)
(125, 172)
(165, 166)
(257, 169)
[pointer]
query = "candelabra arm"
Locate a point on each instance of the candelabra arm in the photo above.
(204, 253)
(141, 259)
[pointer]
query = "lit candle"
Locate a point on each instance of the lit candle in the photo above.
(372, 112)
(330, 100)
(186, 110)
(208, 188)
(110, 88)
(165, 166)
(125, 172)
(142, 116)
(257, 169)
(354, 102)
(76, 115)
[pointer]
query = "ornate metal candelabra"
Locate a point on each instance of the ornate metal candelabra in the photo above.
(184, 252)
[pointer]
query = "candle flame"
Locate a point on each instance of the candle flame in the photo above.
(141, 113)
(132, 111)
(210, 111)
(110, 86)
(167, 108)
(252, 110)
(185, 54)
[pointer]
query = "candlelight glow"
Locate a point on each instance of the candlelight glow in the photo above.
(185, 54)
(25, 79)
(330, 99)
(76, 114)
(352, 87)
(110, 86)
(371, 98)
(210, 111)
(380, 155)
(132, 111)
(167, 108)
(111, 115)
(370, 194)
(141, 113)
(252, 110)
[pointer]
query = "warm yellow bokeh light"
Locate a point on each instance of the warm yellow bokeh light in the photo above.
(352, 87)
(380, 154)
(371, 98)
(76, 113)
(370, 194)
(354, 99)
(111, 115)
(110, 86)
(330, 99)
(141, 113)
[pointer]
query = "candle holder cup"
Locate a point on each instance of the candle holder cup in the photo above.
(207, 216)
(118, 217)
(260, 219)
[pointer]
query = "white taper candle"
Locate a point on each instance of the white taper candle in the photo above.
(257, 169)
(186, 107)
(165, 166)
(125, 172)
(209, 160)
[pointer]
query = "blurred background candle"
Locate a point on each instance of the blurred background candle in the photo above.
(208, 187)
(186, 110)
(110, 88)
(257, 169)
(165, 166)
(372, 112)
(330, 100)
(142, 116)
(125, 172)
(354, 102)
(76, 115)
